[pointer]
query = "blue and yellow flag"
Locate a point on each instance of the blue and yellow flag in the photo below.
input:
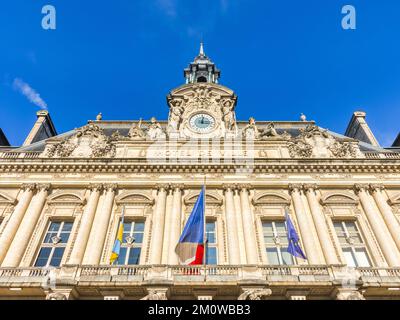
(118, 241)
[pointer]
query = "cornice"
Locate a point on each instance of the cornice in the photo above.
(144, 165)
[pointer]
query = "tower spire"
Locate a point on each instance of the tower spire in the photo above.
(202, 69)
(201, 48)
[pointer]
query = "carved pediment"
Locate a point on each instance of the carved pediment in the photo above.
(342, 198)
(87, 142)
(271, 198)
(211, 199)
(134, 198)
(66, 198)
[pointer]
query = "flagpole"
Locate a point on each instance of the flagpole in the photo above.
(204, 226)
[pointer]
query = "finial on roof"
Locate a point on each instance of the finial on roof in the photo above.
(303, 117)
(201, 48)
(99, 117)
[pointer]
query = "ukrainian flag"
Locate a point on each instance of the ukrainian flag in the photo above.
(118, 241)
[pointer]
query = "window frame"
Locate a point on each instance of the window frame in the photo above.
(213, 245)
(278, 246)
(352, 246)
(53, 246)
(134, 245)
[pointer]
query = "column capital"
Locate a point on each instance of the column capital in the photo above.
(110, 186)
(359, 187)
(175, 186)
(43, 186)
(162, 186)
(293, 187)
(229, 186)
(310, 187)
(28, 186)
(375, 187)
(96, 187)
(244, 186)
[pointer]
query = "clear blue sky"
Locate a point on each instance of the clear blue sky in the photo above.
(122, 57)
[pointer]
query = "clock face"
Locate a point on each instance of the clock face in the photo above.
(202, 122)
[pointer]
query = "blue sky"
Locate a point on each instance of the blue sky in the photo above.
(122, 57)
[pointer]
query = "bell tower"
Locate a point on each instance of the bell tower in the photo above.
(202, 69)
(202, 108)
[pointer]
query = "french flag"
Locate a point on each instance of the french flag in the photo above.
(190, 248)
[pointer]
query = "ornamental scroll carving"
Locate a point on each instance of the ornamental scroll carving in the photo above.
(300, 149)
(88, 141)
(343, 150)
(255, 294)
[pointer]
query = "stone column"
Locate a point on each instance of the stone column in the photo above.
(25, 230)
(238, 212)
(320, 225)
(157, 233)
(167, 227)
(15, 220)
(248, 226)
(379, 228)
(305, 234)
(390, 219)
(80, 243)
(99, 229)
(176, 223)
(232, 231)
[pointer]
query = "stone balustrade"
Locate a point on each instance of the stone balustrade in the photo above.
(293, 274)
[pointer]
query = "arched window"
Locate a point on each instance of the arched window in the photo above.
(202, 79)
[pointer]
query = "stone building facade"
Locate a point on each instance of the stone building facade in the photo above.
(61, 199)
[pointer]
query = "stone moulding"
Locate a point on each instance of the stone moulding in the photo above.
(258, 166)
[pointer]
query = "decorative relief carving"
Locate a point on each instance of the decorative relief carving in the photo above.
(154, 130)
(155, 295)
(88, 141)
(255, 294)
(300, 149)
(136, 132)
(350, 295)
(312, 130)
(56, 296)
(343, 149)
(228, 114)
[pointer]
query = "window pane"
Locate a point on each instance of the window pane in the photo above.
(211, 255)
(272, 255)
(54, 226)
(122, 255)
(43, 257)
(362, 258)
(351, 227)
(350, 259)
(134, 256)
(280, 228)
(64, 237)
(267, 228)
(139, 226)
(210, 226)
(338, 228)
(269, 239)
(67, 226)
(138, 237)
(57, 256)
(127, 226)
(287, 258)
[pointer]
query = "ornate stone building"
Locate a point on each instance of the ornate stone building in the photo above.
(61, 198)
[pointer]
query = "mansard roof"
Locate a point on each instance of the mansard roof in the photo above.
(123, 127)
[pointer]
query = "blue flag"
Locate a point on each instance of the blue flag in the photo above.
(294, 247)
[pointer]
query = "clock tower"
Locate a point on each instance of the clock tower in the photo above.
(202, 108)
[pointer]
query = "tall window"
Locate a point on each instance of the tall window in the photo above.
(132, 240)
(54, 244)
(211, 245)
(352, 244)
(276, 243)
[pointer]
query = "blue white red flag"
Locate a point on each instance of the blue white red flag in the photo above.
(190, 248)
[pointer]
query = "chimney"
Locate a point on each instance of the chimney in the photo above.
(358, 129)
(42, 129)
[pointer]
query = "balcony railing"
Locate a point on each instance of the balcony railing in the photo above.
(222, 273)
